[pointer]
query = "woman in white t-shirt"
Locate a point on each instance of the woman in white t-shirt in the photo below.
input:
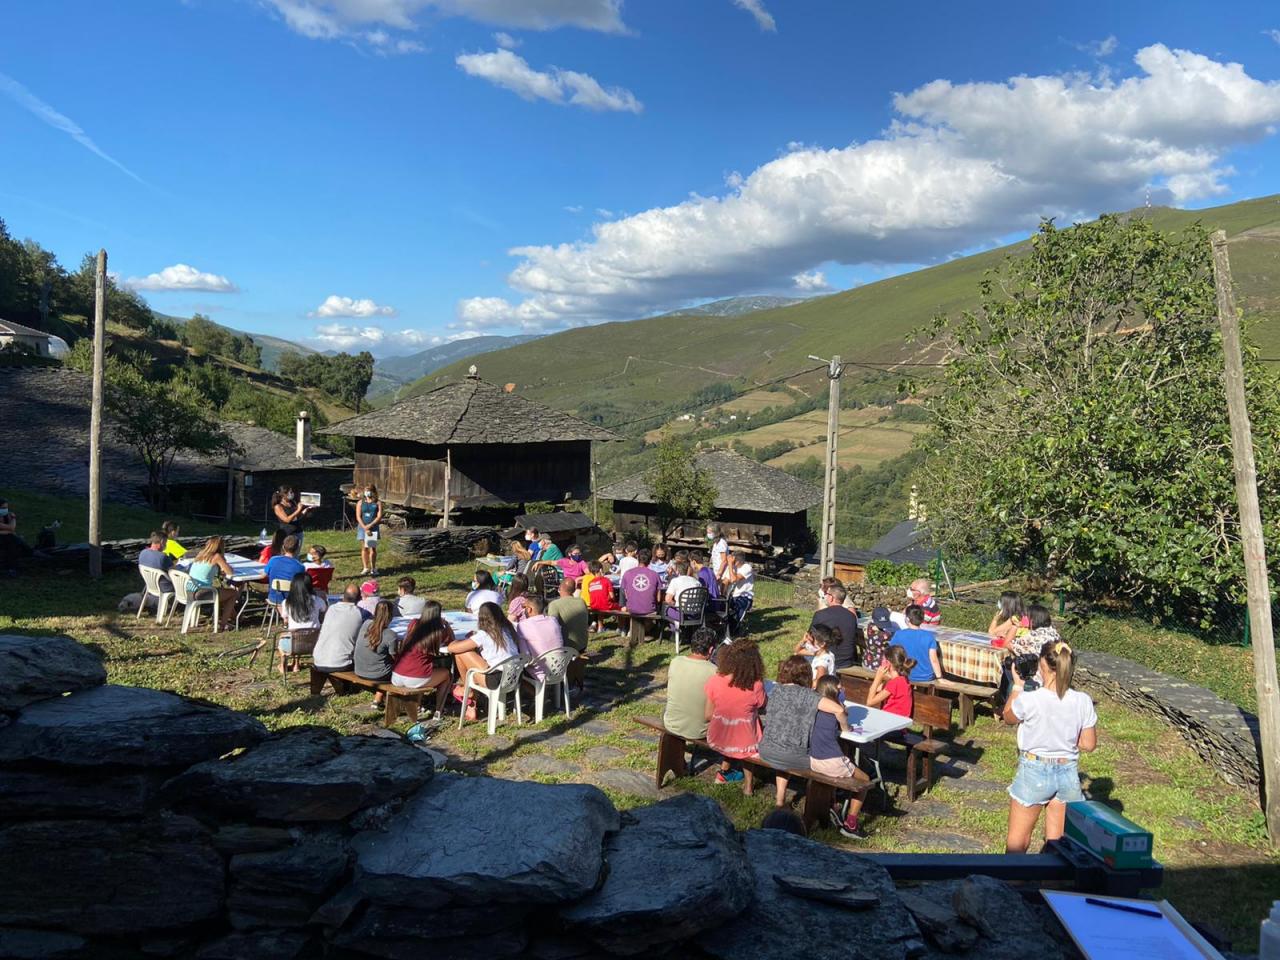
(1054, 724)
(483, 590)
(494, 641)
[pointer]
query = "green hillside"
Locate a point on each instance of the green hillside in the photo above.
(617, 372)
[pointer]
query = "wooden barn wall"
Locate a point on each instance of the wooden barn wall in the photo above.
(413, 474)
(739, 526)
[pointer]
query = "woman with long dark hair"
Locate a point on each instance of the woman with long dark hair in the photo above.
(415, 666)
(302, 609)
(494, 641)
(288, 512)
(376, 645)
(517, 599)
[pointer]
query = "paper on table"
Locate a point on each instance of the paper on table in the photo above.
(1103, 934)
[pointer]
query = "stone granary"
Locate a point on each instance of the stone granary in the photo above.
(759, 507)
(471, 444)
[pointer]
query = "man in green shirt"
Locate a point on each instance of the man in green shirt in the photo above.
(686, 702)
(571, 611)
(549, 553)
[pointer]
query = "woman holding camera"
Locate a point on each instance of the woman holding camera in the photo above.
(1055, 723)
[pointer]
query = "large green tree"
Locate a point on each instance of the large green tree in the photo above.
(1081, 424)
(682, 491)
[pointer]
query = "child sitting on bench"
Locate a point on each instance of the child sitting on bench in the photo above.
(826, 757)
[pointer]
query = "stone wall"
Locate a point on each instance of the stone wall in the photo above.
(867, 596)
(1224, 735)
(135, 822)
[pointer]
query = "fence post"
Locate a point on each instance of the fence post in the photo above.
(1248, 639)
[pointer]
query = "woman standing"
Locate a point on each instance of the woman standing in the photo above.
(211, 573)
(288, 512)
(368, 530)
(1054, 724)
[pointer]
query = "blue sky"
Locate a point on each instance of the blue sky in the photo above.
(386, 174)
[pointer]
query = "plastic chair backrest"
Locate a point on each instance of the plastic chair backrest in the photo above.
(556, 663)
(509, 670)
(320, 577)
(152, 577)
(692, 603)
(281, 585)
(182, 585)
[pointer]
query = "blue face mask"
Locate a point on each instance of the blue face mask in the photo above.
(4, 511)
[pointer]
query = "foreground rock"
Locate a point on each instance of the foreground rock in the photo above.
(109, 878)
(305, 775)
(477, 840)
(779, 924)
(126, 726)
(1009, 929)
(675, 870)
(36, 668)
(283, 888)
(46, 791)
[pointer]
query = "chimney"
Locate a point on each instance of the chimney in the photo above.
(304, 435)
(472, 374)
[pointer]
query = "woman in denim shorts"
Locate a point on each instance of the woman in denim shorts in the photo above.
(1054, 724)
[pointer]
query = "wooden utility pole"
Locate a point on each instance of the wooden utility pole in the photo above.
(1255, 557)
(595, 500)
(835, 369)
(95, 418)
(448, 479)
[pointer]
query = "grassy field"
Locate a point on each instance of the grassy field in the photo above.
(864, 447)
(1210, 836)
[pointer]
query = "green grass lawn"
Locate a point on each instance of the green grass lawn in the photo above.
(1209, 835)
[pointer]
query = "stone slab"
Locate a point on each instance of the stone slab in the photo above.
(36, 668)
(126, 726)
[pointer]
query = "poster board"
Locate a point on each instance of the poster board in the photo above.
(309, 499)
(1104, 933)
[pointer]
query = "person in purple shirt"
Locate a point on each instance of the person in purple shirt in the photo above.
(536, 634)
(698, 560)
(640, 586)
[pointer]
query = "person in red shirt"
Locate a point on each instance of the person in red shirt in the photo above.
(600, 598)
(890, 689)
(918, 593)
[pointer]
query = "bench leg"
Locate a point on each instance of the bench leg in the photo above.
(966, 710)
(928, 772)
(912, 757)
(670, 757)
(399, 705)
(635, 632)
(317, 681)
(818, 799)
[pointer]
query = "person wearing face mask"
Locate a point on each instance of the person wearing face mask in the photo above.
(719, 548)
(483, 590)
(573, 565)
(12, 546)
(368, 530)
(288, 512)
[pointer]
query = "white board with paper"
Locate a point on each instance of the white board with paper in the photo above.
(1104, 932)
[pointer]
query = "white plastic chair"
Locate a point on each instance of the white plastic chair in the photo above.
(555, 665)
(153, 577)
(183, 594)
(507, 676)
(280, 585)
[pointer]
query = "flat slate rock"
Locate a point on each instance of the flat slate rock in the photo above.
(36, 668)
(126, 726)
(451, 933)
(283, 888)
(481, 840)
(625, 780)
(308, 775)
(20, 944)
(94, 877)
(675, 869)
(260, 945)
(777, 924)
(34, 794)
(1009, 929)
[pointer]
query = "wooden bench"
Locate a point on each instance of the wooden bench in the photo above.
(967, 694)
(820, 790)
(635, 623)
(928, 710)
(400, 701)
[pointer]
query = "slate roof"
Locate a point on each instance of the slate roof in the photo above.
(907, 542)
(741, 484)
(18, 330)
(261, 451)
(469, 411)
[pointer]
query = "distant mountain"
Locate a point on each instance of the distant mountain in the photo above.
(271, 346)
(394, 372)
(736, 306)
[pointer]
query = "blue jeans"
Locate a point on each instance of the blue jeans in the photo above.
(1039, 781)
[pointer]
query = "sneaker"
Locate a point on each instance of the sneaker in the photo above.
(853, 830)
(364, 572)
(733, 776)
(835, 817)
(373, 572)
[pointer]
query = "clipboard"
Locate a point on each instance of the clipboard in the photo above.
(309, 499)
(371, 536)
(1104, 934)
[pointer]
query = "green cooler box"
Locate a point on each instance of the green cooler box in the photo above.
(1117, 842)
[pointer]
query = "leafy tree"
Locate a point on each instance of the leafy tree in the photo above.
(344, 377)
(158, 420)
(886, 573)
(1081, 424)
(682, 491)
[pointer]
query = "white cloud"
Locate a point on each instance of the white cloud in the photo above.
(506, 40)
(962, 165)
(336, 306)
(811, 282)
(182, 276)
(573, 208)
(511, 72)
(366, 22)
(602, 212)
(1099, 48)
(16, 92)
(375, 339)
(757, 10)
(1273, 34)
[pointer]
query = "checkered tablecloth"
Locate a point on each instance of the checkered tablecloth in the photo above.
(969, 655)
